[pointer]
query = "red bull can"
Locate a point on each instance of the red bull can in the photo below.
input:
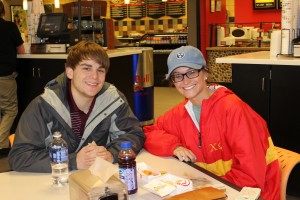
(143, 86)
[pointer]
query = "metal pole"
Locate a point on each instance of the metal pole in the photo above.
(79, 19)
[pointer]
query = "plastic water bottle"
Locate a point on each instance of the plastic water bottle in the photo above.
(127, 167)
(59, 158)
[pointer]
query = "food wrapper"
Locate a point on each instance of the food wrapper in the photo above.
(146, 173)
(201, 182)
(103, 169)
(160, 187)
(169, 184)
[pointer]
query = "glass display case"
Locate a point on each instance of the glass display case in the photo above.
(164, 41)
(92, 26)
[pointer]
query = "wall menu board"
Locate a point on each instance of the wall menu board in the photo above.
(137, 9)
(155, 8)
(118, 9)
(176, 8)
(264, 4)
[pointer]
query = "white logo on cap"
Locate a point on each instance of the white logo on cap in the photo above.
(180, 55)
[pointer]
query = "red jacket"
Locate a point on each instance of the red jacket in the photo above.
(235, 142)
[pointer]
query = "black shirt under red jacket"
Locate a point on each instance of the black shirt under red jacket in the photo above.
(10, 39)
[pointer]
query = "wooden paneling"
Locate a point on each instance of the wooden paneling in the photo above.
(67, 8)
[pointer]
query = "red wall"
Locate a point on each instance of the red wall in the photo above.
(206, 18)
(244, 13)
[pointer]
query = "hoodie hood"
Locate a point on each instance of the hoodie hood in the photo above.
(219, 92)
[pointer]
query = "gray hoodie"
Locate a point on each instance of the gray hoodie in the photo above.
(110, 122)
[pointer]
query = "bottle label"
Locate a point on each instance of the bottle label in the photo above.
(128, 176)
(59, 155)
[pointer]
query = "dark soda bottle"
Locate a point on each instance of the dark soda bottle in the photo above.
(127, 167)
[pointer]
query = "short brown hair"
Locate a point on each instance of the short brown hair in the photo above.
(2, 10)
(87, 50)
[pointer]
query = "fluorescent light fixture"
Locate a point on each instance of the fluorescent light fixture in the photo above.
(164, 0)
(56, 4)
(127, 1)
(25, 5)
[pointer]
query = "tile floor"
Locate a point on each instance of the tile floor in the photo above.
(164, 99)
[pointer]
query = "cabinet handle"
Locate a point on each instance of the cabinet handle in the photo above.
(33, 72)
(39, 72)
(263, 84)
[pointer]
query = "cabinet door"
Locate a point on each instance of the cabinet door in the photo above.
(120, 73)
(44, 71)
(285, 107)
(251, 83)
(33, 75)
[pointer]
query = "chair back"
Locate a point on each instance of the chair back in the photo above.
(287, 161)
(11, 139)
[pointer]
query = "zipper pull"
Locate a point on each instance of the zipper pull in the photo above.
(200, 140)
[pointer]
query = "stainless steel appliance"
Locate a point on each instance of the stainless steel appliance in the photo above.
(49, 48)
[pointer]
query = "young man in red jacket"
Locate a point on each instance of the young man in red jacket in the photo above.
(214, 129)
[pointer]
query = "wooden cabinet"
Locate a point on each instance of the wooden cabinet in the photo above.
(252, 84)
(33, 75)
(273, 91)
(100, 8)
(285, 107)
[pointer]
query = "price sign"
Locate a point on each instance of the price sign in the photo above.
(264, 4)
(118, 9)
(156, 8)
(175, 8)
(137, 9)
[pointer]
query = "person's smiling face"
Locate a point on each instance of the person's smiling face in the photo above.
(193, 89)
(87, 79)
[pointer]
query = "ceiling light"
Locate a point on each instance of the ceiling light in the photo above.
(56, 4)
(25, 5)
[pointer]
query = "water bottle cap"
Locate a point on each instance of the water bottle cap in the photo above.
(125, 144)
(57, 134)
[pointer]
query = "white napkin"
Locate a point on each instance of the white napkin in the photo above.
(103, 169)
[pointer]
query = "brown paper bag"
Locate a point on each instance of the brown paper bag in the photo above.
(85, 186)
